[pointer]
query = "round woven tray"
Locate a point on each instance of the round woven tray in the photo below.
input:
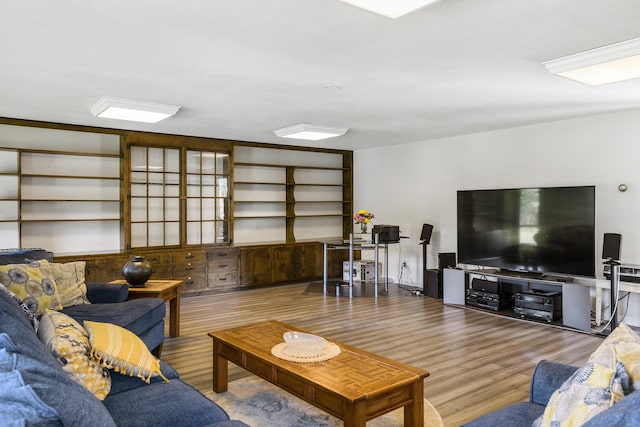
(329, 352)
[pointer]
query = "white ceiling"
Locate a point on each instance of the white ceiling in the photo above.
(242, 68)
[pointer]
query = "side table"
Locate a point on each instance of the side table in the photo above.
(168, 290)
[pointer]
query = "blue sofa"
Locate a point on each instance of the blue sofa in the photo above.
(144, 317)
(36, 391)
(547, 378)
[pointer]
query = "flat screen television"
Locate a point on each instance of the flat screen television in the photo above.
(535, 230)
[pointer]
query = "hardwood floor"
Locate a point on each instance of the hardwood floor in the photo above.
(478, 362)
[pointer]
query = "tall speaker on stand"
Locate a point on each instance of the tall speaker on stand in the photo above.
(611, 253)
(425, 239)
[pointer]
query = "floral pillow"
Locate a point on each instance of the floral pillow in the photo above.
(612, 372)
(69, 278)
(33, 283)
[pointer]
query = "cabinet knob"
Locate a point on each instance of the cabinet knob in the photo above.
(222, 265)
(189, 255)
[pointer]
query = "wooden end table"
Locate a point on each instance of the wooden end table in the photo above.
(355, 386)
(168, 290)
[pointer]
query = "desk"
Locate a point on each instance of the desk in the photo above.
(356, 244)
(606, 284)
(168, 290)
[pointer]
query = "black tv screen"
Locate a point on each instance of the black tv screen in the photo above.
(537, 230)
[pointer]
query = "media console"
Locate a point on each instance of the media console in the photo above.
(533, 297)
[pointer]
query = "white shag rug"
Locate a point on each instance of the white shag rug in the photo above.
(259, 403)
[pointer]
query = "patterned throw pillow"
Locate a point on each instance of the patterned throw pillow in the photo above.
(33, 283)
(609, 375)
(627, 347)
(122, 350)
(69, 342)
(69, 278)
(589, 391)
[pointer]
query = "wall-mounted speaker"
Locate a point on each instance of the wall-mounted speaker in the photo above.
(611, 246)
(425, 236)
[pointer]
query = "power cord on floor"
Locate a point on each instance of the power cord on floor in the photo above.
(404, 267)
(614, 313)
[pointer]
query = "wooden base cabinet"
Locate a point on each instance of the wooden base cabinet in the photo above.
(268, 264)
(222, 269)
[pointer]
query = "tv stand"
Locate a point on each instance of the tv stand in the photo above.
(576, 297)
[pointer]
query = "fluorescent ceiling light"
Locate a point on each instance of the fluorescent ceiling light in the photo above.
(603, 65)
(111, 107)
(391, 8)
(310, 132)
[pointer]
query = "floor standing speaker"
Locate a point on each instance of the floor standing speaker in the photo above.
(433, 285)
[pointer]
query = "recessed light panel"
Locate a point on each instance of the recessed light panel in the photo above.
(608, 64)
(111, 107)
(310, 132)
(391, 8)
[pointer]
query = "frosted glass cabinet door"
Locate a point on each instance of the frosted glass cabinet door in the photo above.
(166, 198)
(207, 177)
(155, 196)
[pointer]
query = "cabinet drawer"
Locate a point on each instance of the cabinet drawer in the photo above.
(188, 256)
(224, 264)
(222, 253)
(164, 258)
(188, 268)
(161, 271)
(194, 283)
(222, 280)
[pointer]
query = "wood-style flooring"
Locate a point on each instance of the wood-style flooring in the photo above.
(478, 362)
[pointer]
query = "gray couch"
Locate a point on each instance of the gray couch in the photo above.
(36, 391)
(547, 378)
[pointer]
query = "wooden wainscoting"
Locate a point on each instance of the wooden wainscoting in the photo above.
(478, 362)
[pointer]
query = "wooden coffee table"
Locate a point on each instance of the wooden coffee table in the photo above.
(355, 386)
(168, 290)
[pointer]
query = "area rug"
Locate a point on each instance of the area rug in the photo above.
(259, 404)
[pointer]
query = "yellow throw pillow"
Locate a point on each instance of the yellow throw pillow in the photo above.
(589, 391)
(626, 344)
(33, 283)
(69, 278)
(69, 342)
(123, 351)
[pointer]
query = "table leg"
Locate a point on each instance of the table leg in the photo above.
(414, 412)
(174, 315)
(220, 369)
(325, 267)
(355, 415)
(598, 306)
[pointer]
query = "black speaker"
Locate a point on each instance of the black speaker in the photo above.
(483, 285)
(611, 246)
(447, 260)
(433, 284)
(425, 236)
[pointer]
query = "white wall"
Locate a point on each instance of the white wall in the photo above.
(412, 184)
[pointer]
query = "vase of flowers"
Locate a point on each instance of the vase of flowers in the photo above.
(363, 217)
